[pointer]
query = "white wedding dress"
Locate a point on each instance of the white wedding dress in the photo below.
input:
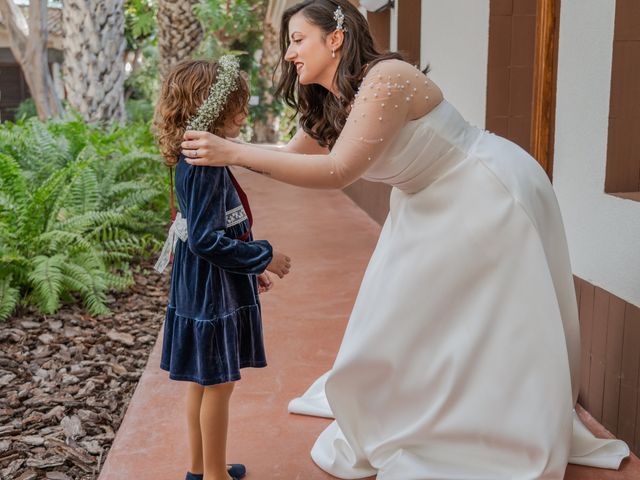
(461, 356)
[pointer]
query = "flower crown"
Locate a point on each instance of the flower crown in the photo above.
(225, 84)
(338, 16)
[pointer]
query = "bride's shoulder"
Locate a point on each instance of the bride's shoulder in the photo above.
(392, 69)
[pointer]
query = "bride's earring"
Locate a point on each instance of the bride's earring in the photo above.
(333, 53)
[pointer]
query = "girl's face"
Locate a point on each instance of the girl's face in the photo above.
(231, 129)
(310, 52)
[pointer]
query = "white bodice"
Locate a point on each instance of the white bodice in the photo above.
(424, 149)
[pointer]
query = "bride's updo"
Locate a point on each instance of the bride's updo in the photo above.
(322, 115)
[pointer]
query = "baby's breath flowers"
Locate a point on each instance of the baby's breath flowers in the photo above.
(226, 83)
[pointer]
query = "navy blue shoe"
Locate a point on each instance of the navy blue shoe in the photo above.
(237, 471)
(199, 476)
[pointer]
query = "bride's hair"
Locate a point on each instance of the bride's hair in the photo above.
(322, 115)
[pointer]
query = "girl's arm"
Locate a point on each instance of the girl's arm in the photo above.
(382, 108)
(204, 192)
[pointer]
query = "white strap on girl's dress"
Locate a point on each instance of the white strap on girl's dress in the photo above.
(177, 231)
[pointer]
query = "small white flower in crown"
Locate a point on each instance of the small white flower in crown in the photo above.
(338, 16)
(226, 83)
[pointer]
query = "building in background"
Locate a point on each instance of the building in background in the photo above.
(13, 87)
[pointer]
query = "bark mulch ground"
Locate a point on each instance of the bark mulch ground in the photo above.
(66, 380)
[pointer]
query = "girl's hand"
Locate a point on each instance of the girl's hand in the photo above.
(280, 264)
(264, 282)
(204, 148)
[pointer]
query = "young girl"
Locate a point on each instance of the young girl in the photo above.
(213, 325)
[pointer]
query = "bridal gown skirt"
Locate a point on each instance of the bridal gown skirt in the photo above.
(461, 356)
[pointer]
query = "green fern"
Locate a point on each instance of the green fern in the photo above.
(12, 183)
(78, 203)
(84, 192)
(85, 274)
(47, 280)
(54, 240)
(8, 297)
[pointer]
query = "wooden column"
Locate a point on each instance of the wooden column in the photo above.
(544, 83)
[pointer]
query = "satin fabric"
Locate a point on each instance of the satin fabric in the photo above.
(461, 356)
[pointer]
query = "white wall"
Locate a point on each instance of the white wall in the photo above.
(455, 41)
(603, 231)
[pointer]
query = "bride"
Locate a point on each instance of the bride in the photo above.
(461, 356)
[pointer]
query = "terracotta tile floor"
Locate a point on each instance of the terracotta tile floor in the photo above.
(330, 240)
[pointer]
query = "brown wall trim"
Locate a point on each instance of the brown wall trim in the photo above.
(409, 26)
(380, 26)
(510, 66)
(610, 366)
(623, 146)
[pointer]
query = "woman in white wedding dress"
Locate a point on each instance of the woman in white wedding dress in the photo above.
(461, 356)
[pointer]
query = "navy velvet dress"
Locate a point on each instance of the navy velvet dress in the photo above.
(213, 326)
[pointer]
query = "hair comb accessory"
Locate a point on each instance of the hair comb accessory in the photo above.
(225, 84)
(339, 18)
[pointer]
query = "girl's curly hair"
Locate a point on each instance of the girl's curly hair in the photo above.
(186, 87)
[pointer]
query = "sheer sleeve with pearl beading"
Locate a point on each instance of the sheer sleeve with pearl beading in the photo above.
(391, 94)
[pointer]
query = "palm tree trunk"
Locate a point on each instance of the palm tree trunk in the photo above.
(179, 31)
(94, 46)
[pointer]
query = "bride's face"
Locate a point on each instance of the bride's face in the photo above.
(310, 51)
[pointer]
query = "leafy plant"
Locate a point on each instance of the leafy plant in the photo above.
(26, 109)
(143, 80)
(237, 28)
(139, 21)
(77, 204)
(230, 26)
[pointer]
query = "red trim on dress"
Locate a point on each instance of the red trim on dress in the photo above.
(245, 204)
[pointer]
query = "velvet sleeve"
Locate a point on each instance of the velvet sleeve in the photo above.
(205, 193)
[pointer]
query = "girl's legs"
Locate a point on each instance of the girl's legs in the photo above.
(214, 420)
(194, 401)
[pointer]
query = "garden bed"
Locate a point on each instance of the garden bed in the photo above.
(66, 380)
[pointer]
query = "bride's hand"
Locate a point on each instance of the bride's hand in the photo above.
(204, 148)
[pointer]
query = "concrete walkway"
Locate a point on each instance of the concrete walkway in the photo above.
(330, 240)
